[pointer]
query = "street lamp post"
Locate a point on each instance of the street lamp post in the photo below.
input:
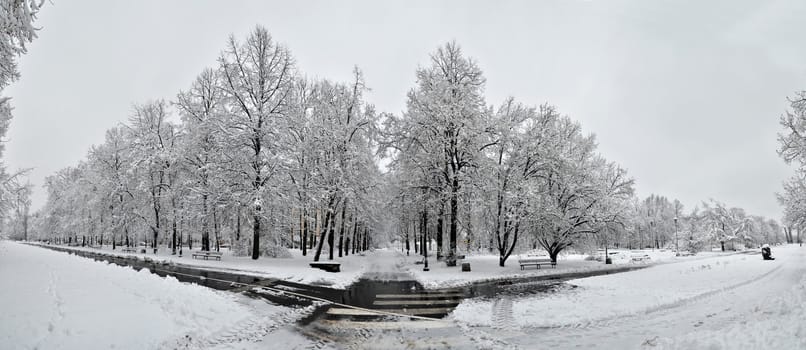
(676, 247)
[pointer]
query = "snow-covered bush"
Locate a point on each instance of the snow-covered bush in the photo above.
(242, 247)
(594, 258)
(275, 251)
(694, 245)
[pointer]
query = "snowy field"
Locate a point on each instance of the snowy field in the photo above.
(626, 293)
(52, 300)
(485, 267)
(294, 269)
(726, 302)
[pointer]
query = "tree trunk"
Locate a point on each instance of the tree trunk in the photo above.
(322, 239)
(502, 259)
(454, 213)
(304, 234)
(216, 230)
(424, 233)
(408, 247)
(355, 232)
(341, 229)
(173, 235)
(205, 241)
(440, 215)
(238, 223)
(331, 235)
(553, 255)
(366, 238)
(317, 227)
(256, 235)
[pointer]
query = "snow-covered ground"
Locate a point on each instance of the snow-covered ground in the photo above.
(724, 302)
(714, 301)
(485, 267)
(707, 302)
(294, 269)
(613, 296)
(52, 300)
(353, 267)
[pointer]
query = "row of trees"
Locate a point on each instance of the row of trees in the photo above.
(254, 146)
(17, 22)
(498, 172)
(793, 151)
(516, 177)
(251, 154)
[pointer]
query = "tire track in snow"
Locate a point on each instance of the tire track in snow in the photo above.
(502, 316)
(606, 322)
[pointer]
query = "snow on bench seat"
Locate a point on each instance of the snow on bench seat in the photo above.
(536, 261)
(327, 266)
(207, 254)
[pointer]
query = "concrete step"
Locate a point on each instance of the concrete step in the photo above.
(386, 325)
(417, 302)
(420, 296)
(412, 312)
(265, 283)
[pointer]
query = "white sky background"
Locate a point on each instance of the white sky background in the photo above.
(685, 94)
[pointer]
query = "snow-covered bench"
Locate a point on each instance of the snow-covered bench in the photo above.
(327, 266)
(536, 261)
(207, 254)
(129, 249)
(639, 257)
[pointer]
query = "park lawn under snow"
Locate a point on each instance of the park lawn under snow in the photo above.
(612, 296)
(485, 267)
(294, 269)
(775, 324)
(52, 300)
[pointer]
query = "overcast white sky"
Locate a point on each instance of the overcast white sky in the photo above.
(685, 94)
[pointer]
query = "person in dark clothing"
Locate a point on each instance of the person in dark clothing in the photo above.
(766, 252)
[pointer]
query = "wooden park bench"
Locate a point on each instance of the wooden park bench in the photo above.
(639, 257)
(530, 260)
(207, 254)
(129, 249)
(327, 266)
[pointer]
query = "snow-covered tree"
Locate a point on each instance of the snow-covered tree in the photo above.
(17, 22)
(257, 82)
(153, 141)
(517, 156)
(203, 116)
(445, 123)
(580, 192)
